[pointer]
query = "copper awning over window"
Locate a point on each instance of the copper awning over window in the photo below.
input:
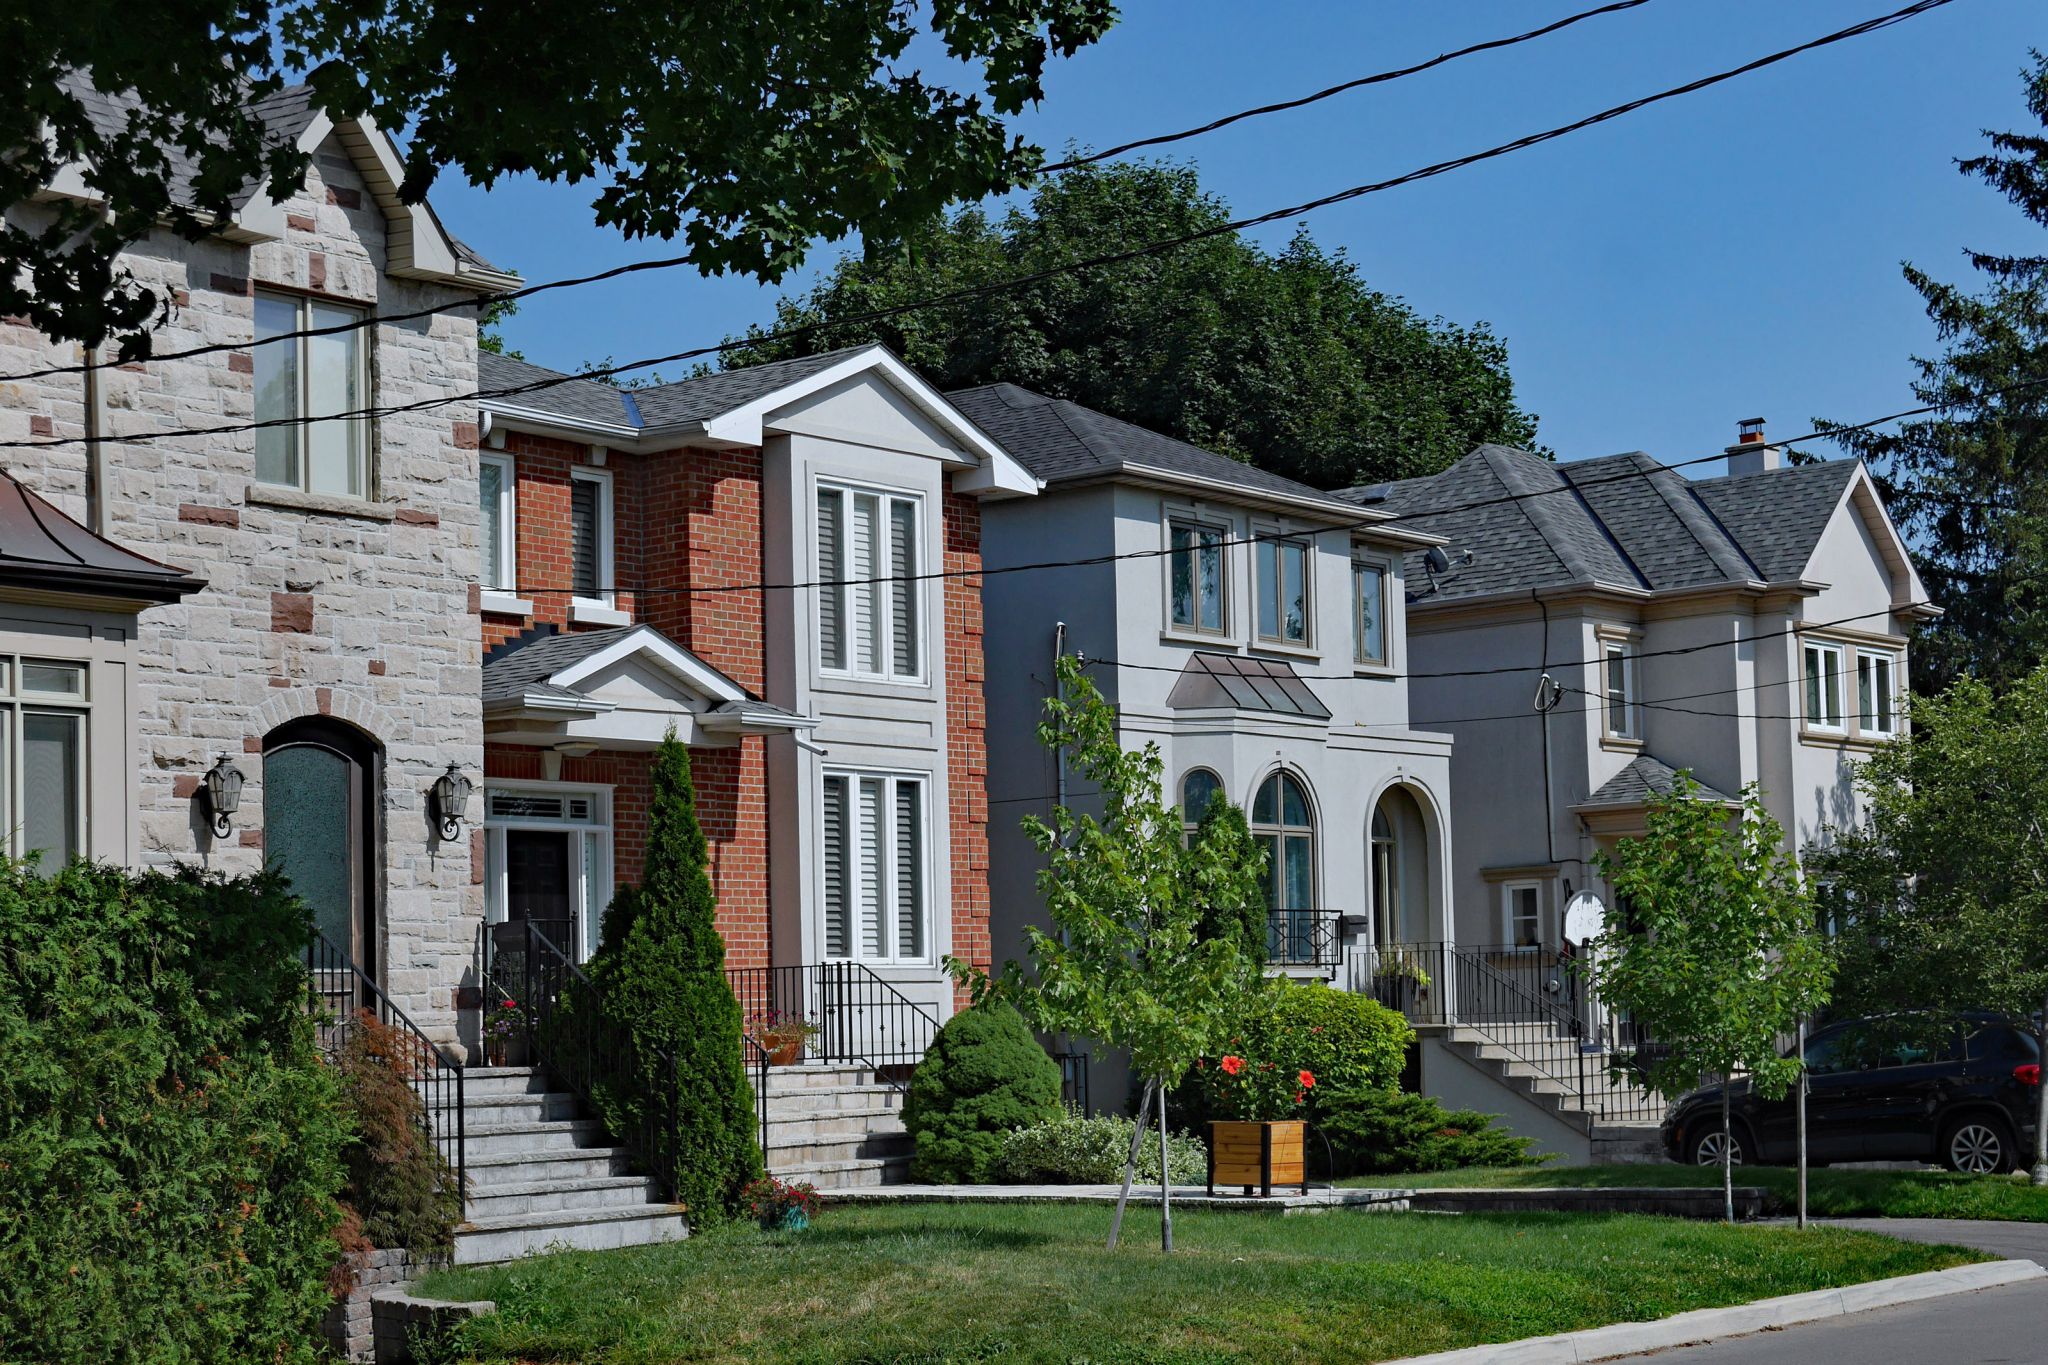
(1237, 683)
(44, 551)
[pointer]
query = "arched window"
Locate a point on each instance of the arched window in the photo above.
(1196, 791)
(320, 782)
(1285, 828)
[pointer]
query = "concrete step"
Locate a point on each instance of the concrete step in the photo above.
(833, 1124)
(556, 1196)
(485, 1241)
(826, 1152)
(813, 1076)
(479, 1082)
(536, 1106)
(562, 1164)
(847, 1172)
(827, 1097)
(523, 1139)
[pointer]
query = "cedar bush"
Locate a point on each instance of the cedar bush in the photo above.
(170, 1140)
(661, 972)
(983, 1075)
(1071, 1149)
(399, 1185)
(1386, 1132)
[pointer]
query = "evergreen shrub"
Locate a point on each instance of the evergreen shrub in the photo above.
(661, 972)
(983, 1075)
(1387, 1132)
(170, 1139)
(1345, 1040)
(399, 1185)
(1070, 1149)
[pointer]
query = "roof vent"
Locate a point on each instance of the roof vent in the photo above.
(1751, 454)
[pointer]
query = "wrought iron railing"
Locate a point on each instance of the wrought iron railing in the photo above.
(1534, 1007)
(633, 1090)
(1073, 1065)
(1303, 938)
(859, 1018)
(344, 994)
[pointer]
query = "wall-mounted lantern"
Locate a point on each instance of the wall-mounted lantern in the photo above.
(451, 799)
(223, 795)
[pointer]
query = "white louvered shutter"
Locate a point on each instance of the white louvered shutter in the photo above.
(838, 879)
(869, 818)
(832, 570)
(903, 587)
(864, 546)
(909, 869)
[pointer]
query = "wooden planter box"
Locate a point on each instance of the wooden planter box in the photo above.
(1257, 1155)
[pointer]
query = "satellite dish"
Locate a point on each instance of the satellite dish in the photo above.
(1585, 918)
(1437, 560)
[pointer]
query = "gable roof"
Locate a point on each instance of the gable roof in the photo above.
(42, 551)
(734, 407)
(1621, 521)
(285, 115)
(1063, 442)
(548, 672)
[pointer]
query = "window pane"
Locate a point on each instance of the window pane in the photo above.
(1884, 695)
(832, 570)
(1210, 568)
(903, 587)
(1269, 588)
(1296, 886)
(334, 450)
(1293, 803)
(583, 537)
(1269, 844)
(867, 594)
(1617, 692)
(1370, 585)
(1266, 805)
(1866, 708)
(838, 901)
(59, 680)
(277, 391)
(52, 786)
(1196, 791)
(873, 940)
(490, 480)
(1813, 711)
(1832, 691)
(1181, 575)
(1293, 592)
(909, 870)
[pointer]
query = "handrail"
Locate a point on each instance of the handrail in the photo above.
(436, 1078)
(859, 1018)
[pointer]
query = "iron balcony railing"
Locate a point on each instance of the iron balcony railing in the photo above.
(344, 995)
(859, 1019)
(1304, 938)
(1533, 1006)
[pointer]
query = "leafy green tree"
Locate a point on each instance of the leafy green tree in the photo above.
(1942, 894)
(661, 971)
(983, 1076)
(1124, 960)
(1722, 957)
(1969, 485)
(749, 127)
(1227, 884)
(1290, 361)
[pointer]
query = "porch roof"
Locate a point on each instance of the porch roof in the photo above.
(46, 554)
(1642, 782)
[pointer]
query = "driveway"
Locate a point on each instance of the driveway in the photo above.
(1990, 1327)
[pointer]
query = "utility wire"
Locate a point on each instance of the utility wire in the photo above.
(673, 262)
(1095, 262)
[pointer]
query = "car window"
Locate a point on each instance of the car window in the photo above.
(1870, 1045)
(2002, 1045)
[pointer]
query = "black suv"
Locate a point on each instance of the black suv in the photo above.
(1887, 1089)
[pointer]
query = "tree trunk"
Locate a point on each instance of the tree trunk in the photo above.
(1801, 1094)
(1165, 1181)
(2039, 1175)
(1727, 1153)
(1116, 1224)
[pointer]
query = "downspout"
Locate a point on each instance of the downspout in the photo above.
(95, 448)
(1548, 694)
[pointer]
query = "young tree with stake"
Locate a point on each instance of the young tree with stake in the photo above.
(1124, 960)
(1721, 957)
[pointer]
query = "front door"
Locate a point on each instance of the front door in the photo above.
(319, 813)
(538, 882)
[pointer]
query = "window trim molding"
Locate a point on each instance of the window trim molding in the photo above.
(494, 827)
(1626, 642)
(1265, 535)
(501, 580)
(927, 867)
(16, 702)
(1199, 517)
(603, 608)
(1840, 729)
(1362, 559)
(1508, 888)
(302, 302)
(886, 622)
(1282, 830)
(1889, 705)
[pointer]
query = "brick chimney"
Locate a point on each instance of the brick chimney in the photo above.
(1751, 453)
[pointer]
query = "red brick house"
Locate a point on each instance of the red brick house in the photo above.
(779, 563)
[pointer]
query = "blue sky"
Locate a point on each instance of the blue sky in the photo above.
(1724, 255)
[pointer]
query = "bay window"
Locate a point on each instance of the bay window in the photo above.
(875, 843)
(869, 557)
(303, 384)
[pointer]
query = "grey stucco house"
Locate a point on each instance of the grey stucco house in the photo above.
(1252, 627)
(1748, 628)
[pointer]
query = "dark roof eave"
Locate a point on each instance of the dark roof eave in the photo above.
(141, 590)
(1551, 592)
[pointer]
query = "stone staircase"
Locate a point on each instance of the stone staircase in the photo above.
(1542, 1064)
(543, 1178)
(835, 1126)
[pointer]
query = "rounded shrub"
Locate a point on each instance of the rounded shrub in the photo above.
(1070, 1149)
(1346, 1040)
(983, 1075)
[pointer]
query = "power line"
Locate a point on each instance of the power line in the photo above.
(1113, 258)
(673, 262)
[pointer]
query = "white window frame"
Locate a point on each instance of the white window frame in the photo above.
(1631, 728)
(1386, 573)
(891, 780)
(1273, 538)
(1885, 662)
(885, 614)
(358, 428)
(1193, 520)
(602, 609)
(582, 878)
(1822, 724)
(1508, 891)
(16, 702)
(502, 578)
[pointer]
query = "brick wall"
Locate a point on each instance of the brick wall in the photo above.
(967, 728)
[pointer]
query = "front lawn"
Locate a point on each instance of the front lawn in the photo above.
(1829, 1193)
(939, 1282)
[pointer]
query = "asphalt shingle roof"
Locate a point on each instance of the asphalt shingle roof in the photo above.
(1644, 780)
(575, 399)
(511, 673)
(1621, 521)
(1061, 441)
(284, 113)
(663, 405)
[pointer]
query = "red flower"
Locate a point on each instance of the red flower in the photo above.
(509, 1004)
(1231, 1065)
(1308, 1080)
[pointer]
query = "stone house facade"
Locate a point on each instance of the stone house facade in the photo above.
(331, 656)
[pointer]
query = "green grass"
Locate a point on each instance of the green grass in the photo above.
(950, 1282)
(1829, 1193)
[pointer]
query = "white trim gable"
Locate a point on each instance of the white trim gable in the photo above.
(650, 644)
(1860, 495)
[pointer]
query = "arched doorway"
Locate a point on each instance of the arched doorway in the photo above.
(321, 783)
(1399, 861)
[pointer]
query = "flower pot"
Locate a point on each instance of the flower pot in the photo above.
(783, 1049)
(786, 1220)
(1257, 1155)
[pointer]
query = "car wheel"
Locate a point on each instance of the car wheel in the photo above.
(1706, 1147)
(1977, 1145)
